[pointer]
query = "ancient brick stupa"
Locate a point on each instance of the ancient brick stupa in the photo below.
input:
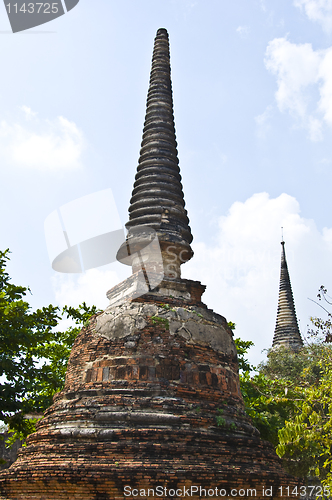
(286, 333)
(151, 406)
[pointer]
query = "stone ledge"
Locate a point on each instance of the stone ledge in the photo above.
(135, 287)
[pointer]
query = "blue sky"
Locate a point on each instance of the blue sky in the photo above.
(252, 85)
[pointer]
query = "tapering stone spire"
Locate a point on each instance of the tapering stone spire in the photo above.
(152, 397)
(157, 199)
(286, 332)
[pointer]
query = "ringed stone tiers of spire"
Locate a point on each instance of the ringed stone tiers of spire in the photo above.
(151, 406)
(157, 199)
(286, 333)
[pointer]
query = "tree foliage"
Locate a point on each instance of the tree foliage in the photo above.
(268, 401)
(33, 355)
(289, 399)
(322, 327)
(276, 397)
(305, 441)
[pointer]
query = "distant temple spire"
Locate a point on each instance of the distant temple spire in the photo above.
(286, 333)
(157, 199)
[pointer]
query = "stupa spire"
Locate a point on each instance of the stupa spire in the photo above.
(157, 200)
(286, 333)
(152, 394)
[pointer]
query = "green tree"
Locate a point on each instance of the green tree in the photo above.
(242, 347)
(306, 439)
(323, 327)
(299, 368)
(272, 395)
(289, 398)
(269, 402)
(33, 356)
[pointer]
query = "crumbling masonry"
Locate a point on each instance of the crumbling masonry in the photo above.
(152, 395)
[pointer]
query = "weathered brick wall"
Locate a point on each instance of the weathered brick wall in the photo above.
(146, 383)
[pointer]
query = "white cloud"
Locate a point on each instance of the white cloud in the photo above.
(263, 6)
(262, 122)
(241, 268)
(29, 114)
(327, 236)
(89, 287)
(184, 7)
(315, 129)
(296, 67)
(42, 144)
(243, 31)
(221, 155)
(317, 10)
(302, 73)
(325, 74)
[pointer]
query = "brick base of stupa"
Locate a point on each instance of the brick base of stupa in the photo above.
(151, 409)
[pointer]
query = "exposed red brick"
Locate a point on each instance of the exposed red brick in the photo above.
(144, 384)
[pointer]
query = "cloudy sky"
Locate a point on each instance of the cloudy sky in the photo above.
(252, 84)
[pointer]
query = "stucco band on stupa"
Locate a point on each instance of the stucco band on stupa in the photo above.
(152, 396)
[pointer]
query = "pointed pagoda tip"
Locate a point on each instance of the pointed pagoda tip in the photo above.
(283, 253)
(157, 201)
(162, 31)
(286, 333)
